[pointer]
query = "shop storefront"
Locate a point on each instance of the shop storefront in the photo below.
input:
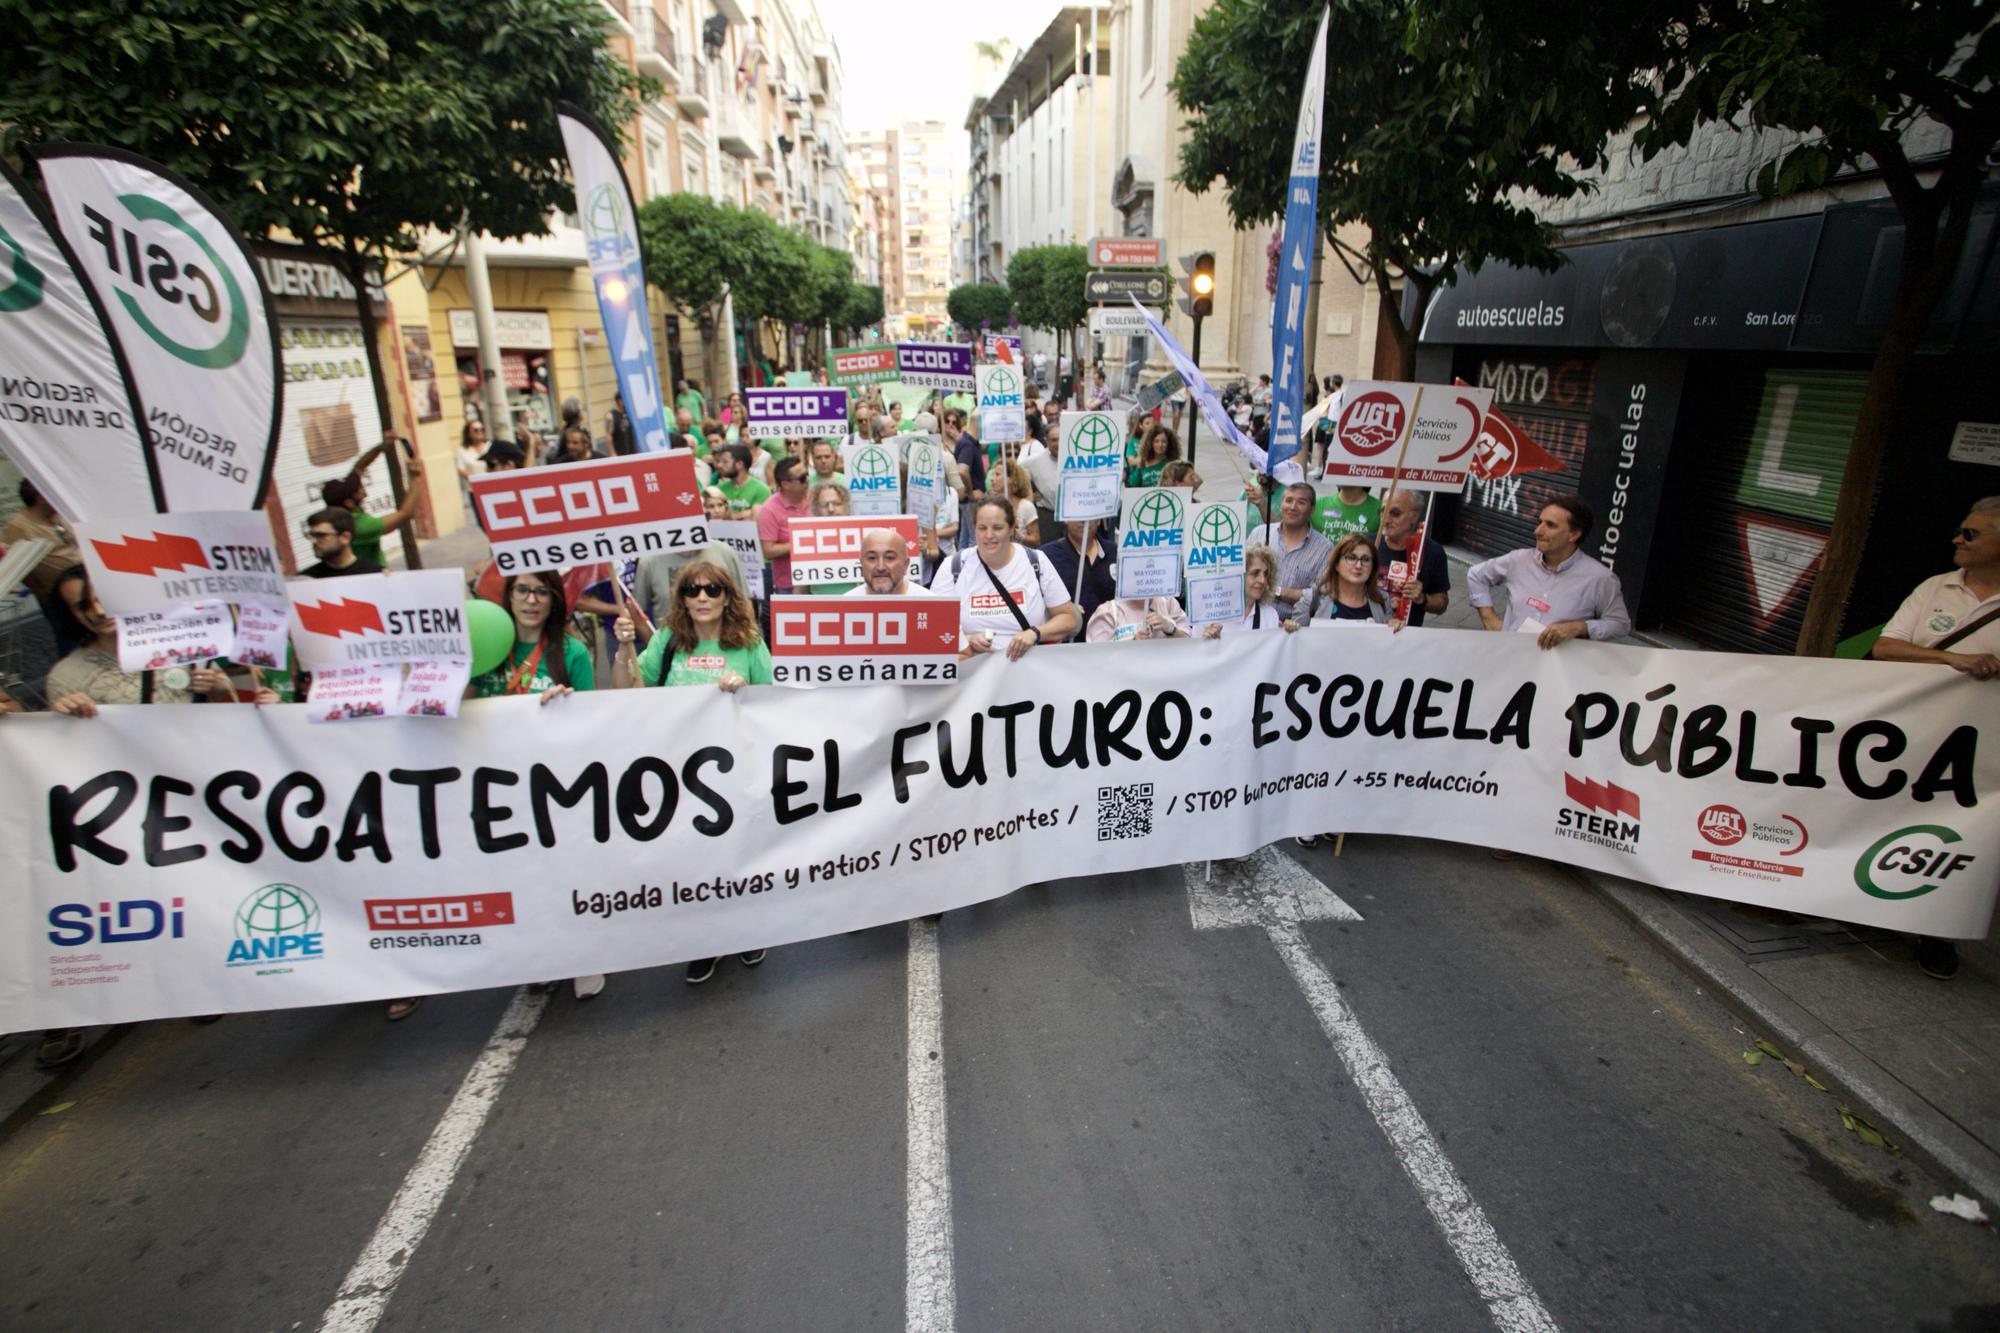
(526, 342)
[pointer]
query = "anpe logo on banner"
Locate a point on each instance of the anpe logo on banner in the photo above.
(1091, 437)
(1218, 535)
(1002, 389)
(174, 270)
(604, 215)
(279, 923)
(337, 617)
(1894, 866)
(24, 281)
(127, 921)
(1599, 820)
(1157, 520)
(1371, 424)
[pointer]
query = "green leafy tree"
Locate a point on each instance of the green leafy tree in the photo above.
(1440, 124)
(863, 310)
(1047, 285)
(833, 287)
(969, 303)
(1853, 80)
(695, 252)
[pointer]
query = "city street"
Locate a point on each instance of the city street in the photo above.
(1409, 1088)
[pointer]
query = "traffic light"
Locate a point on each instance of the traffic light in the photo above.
(1198, 284)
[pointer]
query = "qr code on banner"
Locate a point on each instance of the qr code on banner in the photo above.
(1125, 812)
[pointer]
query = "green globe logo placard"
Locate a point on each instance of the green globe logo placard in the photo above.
(923, 461)
(1159, 512)
(1218, 526)
(277, 909)
(1092, 440)
(872, 461)
(1001, 384)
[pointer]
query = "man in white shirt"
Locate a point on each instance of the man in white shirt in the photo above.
(1555, 585)
(885, 567)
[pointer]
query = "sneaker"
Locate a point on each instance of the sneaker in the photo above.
(1306, 840)
(751, 959)
(1502, 854)
(590, 987)
(59, 1047)
(1938, 958)
(700, 970)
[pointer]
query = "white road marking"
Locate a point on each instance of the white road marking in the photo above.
(365, 1293)
(1266, 893)
(930, 1293)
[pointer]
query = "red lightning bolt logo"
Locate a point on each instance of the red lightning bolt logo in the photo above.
(336, 618)
(1608, 797)
(143, 555)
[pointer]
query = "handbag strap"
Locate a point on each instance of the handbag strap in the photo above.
(1967, 630)
(1019, 617)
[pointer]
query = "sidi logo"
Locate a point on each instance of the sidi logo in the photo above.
(1896, 866)
(1371, 424)
(165, 271)
(127, 921)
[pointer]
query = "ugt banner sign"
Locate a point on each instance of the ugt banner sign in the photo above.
(828, 550)
(413, 616)
(796, 414)
(1153, 541)
(1430, 429)
(1003, 411)
(1093, 466)
(155, 561)
(864, 640)
(862, 365)
(583, 513)
(935, 365)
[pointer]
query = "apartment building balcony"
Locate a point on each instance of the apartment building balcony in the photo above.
(735, 127)
(653, 46)
(692, 97)
(734, 11)
(621, 10)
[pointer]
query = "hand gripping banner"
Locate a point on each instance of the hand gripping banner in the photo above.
(68, 416)
(610, 228)
(178, 860)
(190, 312)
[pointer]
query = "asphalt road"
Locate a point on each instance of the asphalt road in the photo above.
(1486, 1102)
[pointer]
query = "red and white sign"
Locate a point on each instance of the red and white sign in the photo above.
(154, 639)
(1127, 252)
(584, 513)
(1432, 429)
(1503, 449)
(828, 550)
(474, 911)
(1779, 561)
(412, 616)
(152, 562)
(865, 361)
(863, 640)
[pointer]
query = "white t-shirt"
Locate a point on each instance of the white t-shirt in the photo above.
(980, 608)
(910, 589)
(1940, 605)
(1268, 616)
(1024, 515)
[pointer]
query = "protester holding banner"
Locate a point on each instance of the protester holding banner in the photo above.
(885, 567)
(745, 493)
(1100, 585)
(1303, 554)
(1260, 584)
(546, 659)
(1428, 586)
(710, 630)
(1180, 472)
(1954, 619)
(774, 521)
(653, 583)
(577, 447)
(1147, 618)
(331, 532)
(1554, 588)
(349, 492)
(1346, 591)
(1004, 588)
(90, 675)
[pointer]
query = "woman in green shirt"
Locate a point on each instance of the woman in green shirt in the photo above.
(710, 638)
(1155, 452)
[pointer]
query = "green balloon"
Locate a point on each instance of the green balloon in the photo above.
(491, 630)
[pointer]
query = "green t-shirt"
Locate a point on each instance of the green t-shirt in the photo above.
(1333, 519)
(831, 589)
(692, 401)
(576, 658)
(775, 448)
(368, 531)
(1148, 475)
(745, 494)
(705, 664)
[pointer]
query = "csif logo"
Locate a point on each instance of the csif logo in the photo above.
(161, 553)
(127, 921)
(172, 268)
(24, 282)
(1895, 866)
(279, 923)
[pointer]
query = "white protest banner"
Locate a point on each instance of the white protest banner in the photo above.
(150, 640)
(934, 365)
(262, 634)
(1215, 565)
(605, 207)
(689, 825)
(434, 688)
(1422, 434)
(828, 550)
(1003, 410)
(403, 617)
(1092, 455)
(795, 414)
(191, 314)
(1153, 541)
(874, 480)
(742, 539)
(923, 464)
(585, 513)
(864, 640)
(354, 691)
(150, 562)
(69, 418)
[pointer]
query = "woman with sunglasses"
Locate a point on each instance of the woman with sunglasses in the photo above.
(1347, 593)
(710, 637)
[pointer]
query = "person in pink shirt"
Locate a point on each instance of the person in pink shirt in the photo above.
(1124, 618)
(774, 520)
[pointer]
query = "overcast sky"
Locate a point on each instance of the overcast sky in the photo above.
(912, 59)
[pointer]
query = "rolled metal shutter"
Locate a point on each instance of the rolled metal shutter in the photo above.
(1548, 396)
(1761, 509)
